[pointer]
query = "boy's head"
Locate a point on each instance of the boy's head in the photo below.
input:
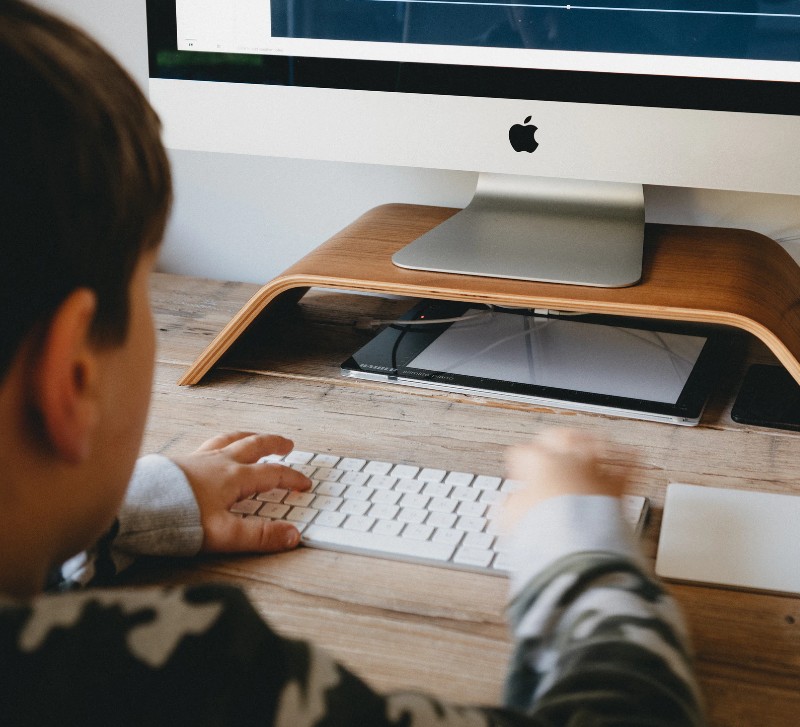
(84, 180)
(84, 195)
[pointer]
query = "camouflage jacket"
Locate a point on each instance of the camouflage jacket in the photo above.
(597, 640)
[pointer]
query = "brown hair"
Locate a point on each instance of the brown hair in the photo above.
(85, 185)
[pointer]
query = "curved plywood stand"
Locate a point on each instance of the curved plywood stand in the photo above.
(731, 277)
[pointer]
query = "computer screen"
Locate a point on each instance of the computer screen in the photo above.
(565, 110)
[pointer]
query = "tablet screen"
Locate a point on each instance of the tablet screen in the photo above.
(566, 354)
(656, 370)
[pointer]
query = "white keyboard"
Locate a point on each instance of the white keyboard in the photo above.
(398, 511)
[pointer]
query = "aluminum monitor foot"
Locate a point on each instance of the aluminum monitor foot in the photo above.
(531, 228)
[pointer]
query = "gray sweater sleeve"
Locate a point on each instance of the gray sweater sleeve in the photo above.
(159, 516)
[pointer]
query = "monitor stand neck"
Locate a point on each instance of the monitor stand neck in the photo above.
(532, 228)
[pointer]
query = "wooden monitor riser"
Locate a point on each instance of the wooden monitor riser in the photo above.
(697, 274)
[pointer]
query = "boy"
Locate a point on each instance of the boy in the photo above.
(84, 195)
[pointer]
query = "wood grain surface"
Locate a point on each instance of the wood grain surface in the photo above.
(407, 626)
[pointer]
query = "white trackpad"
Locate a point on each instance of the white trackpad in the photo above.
(733, 538)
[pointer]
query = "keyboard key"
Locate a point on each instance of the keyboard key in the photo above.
(442, 520)
(274, 511)
(493, 497)
(437, 489)
(387, 527)
(361, 523)
(327, 474)
(354, 478)
(324, 502)
(415, 501)
(427, 474)
(502, 544)
(448, 535)
(412, 515)
(355, 507)
(386, 497)
(442, 504)
(378, 468)
(306, 469)
(483, 541)
(324, 460)
(384, 512)
(351, 464)
(358, 493)
(301, 514)
(330, 519)
(381, 482)
(484, 482)
(246, 507)
(502, 562)
(474, 509)
(473, 556)
(462, 479)
(464, 493)
(492, 521)
(298, 457)
(303, 499)
(332, 489)
(471, 524)
(372, 541)
(404, 471)
(418, 532)
(407, 485)
(275, 495)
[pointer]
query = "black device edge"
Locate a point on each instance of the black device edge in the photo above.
(768, 397)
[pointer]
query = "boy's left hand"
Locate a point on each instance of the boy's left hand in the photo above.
(225, 470)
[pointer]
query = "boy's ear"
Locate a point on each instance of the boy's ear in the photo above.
(65, 380)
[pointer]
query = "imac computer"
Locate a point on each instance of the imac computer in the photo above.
(564, 109)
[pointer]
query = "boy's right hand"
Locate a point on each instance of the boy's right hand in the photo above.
(563, 462)
(225, 470)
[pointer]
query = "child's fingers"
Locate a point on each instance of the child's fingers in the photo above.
(265, 476)
(252, 447)
(568, 441)
(562, 461)
(243, 481)
(247, 446)
(223, 440)
(235, 534)
(569, 447)
(527, 460)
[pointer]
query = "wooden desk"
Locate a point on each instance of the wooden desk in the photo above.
(400, 625)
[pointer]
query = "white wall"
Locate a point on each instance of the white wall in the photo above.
(248, 218)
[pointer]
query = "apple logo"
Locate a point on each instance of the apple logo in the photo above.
(522, 137)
